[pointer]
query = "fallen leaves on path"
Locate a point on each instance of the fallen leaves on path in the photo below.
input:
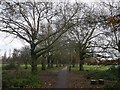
(77, 80)
(48, 79)
(49, 84)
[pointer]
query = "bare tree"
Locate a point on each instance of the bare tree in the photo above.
(30, 20)
(84, 34)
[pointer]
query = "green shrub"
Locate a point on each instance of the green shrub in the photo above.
(113, 86)
(20, 80)
(10, 66)
(110, 74)
(113, 69)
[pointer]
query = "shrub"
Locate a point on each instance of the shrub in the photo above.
(114, 70)
(10, 66)
(20, 80)
(113, 86)
(111, 74)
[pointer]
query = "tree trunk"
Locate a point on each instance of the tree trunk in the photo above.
(73, 65)
(51, 63)
(57, 64)
(81, 61)
(69, 67)
(119, 70)
(33, 64)
(48, 62)
(33, 59)
(26, 66)
(60, 65)
(81, 65)
(119, 62)
(34, 67)
(43, 65)
(18, 67)
(119, 73)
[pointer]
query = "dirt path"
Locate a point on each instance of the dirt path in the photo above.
(48, 78)
(65, 79)
(62, 81)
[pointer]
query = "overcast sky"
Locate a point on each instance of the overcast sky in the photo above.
(9, 43)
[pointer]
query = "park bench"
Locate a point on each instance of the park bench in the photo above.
(99, 81)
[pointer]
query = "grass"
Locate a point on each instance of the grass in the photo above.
(9, 67)
(97, 67)
(22, 66)
(92, 67)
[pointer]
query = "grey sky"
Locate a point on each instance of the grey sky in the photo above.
(8, 43)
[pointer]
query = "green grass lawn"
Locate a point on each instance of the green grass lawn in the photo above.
(97, 67)
(22, 66)
(93, 67)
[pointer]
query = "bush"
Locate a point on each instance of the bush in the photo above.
(10, 66)
(114, 70)
(111, 74)
(113, 86)
(20, 80)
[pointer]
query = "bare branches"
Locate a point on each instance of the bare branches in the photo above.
(37, 23)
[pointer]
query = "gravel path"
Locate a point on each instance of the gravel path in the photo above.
(62, 79)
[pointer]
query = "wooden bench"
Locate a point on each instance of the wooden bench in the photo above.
(101, 81)
(93, 82)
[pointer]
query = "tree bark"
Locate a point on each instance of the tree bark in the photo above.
(81, 60)
(33, 59)
(52, 63)
(26, 65)
(34, 67)
(73, 65)
(119, 73)
(81, 65)
(56, 63)
(43, 65)
(59, 64)
(118, 69)
(48, 62)
(33, 64)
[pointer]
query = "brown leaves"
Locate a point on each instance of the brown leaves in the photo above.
(113, 20)
(48, 84)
